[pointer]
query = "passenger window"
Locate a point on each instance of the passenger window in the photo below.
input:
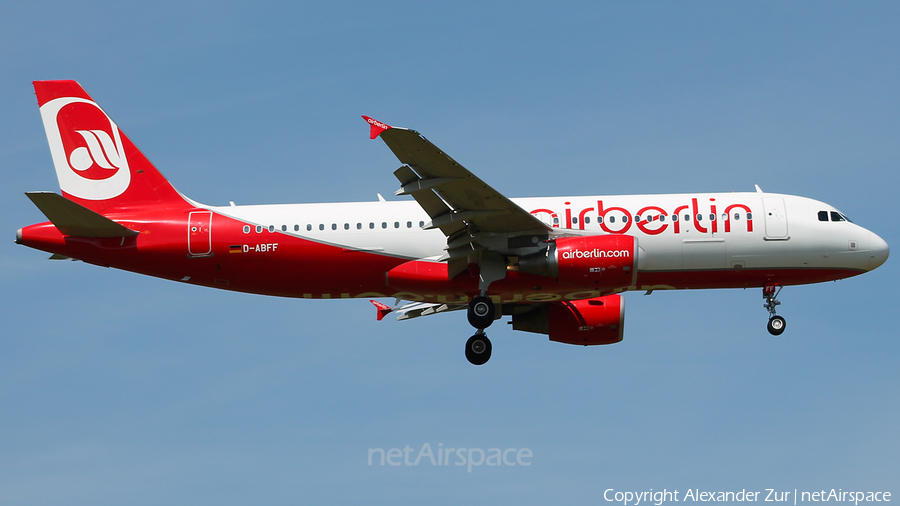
(712, 217)
(556, 221)
(637, 219)
(674, 217)
(699, 217)
(408, 224)
(612, 219)
(396, 224)
(575, 221)
(737, 216)
(687, 217)
(599, 219)
(421, 224)
(371, 224)
(823, 215)
(346, 226)
(749, 216)
(296, 228)
(836, 216)
(321, 226)
(587, 219)
(383, 224)
(359, 226)
(284, 228)
(271, 228)
(662, 217)
(625, 219)
(334, 226)
(309, 228)
(246, 229)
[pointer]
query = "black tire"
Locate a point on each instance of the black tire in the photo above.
(478, 349)
(776, 325)
(481, 312)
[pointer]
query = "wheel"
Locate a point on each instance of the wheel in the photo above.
(478, 349)
(776, 325)
(481, 312)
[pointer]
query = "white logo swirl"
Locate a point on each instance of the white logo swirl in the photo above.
(102, 149)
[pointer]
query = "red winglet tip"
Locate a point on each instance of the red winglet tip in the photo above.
(383, 309)
(375, 126)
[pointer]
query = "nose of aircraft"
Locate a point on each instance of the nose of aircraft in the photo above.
(879, 251)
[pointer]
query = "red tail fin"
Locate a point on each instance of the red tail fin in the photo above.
(96, 164)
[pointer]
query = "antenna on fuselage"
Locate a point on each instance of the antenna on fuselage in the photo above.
(758, 189)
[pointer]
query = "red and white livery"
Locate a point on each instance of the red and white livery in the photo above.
(555, 265)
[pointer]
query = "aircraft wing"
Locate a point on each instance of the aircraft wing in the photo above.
(414, 309)
(451, 195)
(418, 309)
(460, 204)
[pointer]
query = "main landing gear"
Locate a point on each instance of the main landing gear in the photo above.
(481, 316)
(478, 348)
(776, 323)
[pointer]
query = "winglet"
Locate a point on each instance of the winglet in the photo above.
(383, 309)
(375, 126)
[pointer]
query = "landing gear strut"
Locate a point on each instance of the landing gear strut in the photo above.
(478, 348)
(776, 323)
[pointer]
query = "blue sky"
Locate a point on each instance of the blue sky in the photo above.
(120, 389)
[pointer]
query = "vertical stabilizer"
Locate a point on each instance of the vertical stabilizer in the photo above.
(97, 165)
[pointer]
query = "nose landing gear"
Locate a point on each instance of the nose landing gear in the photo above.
(776, 323)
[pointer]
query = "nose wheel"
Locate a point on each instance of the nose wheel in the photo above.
(776, 323)
(478, 348)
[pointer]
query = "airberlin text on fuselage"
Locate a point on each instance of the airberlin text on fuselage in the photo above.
(654, 220)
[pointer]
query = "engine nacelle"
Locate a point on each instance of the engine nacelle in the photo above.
(597, 261)
(586, 322)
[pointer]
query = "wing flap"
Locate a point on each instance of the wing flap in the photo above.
(417, 309)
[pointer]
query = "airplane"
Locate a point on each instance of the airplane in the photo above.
(556, 265)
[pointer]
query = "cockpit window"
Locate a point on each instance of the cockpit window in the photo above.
(836, 216)
(823, 215)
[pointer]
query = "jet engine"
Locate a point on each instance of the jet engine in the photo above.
(586, 322)
(601, 262)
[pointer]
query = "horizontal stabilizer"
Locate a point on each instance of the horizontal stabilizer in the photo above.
(76, 220)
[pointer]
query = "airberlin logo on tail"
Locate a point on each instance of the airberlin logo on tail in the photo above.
(597, 253)
(87, 150)
(100, 150)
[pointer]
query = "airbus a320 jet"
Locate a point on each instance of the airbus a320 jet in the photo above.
(555, 265)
